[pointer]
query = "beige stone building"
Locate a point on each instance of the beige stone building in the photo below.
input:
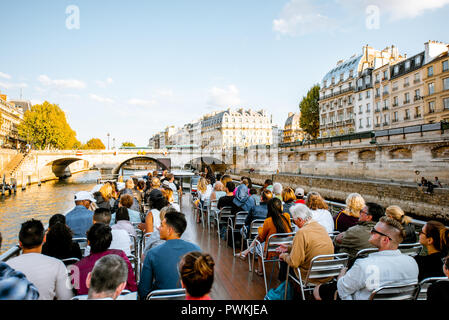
(11, 116)
(292, 128)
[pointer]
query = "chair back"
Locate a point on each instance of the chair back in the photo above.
(224, 214)
(365, 252)
(402, 292)
(425, 284)
(325, 266)
(254, 228)
(167, 294)
(69, 261)
(82, 242)
(410, 249)
(333, 234)
(275, 240)
(239, 220)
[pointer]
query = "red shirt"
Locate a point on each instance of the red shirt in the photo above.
(300, 201)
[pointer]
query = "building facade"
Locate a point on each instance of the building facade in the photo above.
(292, 128)
(10, 118)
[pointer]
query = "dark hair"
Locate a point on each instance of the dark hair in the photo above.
(177, 221)
(99, 236)
(230, 186)
(197, 273)
(281, 223)
(122, 214)
(108, 273)
(1, 239)
(102, 215)
(58, 242)
(268, 182)
(141, 184)
(55, 219)
(126, 200)
(157, 199)
(253, 191)
(31, 234)
(375, 211)
(440, 235)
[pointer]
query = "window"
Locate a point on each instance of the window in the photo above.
(360, 109)
(395, 116)
(417, 77)
(360, 96)
(368, 79)
(341, 76)
(368, 107)
(324, 83)
(446, 84)
(406, 97)
(368, 122)
(368, 94)
(395, 101)
(385, 89)
(360, 82)
(431, 87)
(431, 106)
(377, 77)
(445, 65)
(407, 64)
(417, 93)
(430, 71)
(395, 86)
(417, 112)
(351, 73)
(385, 75)
(446, 103)
(418, 60)
(360, 123)
(396, 69)
(406, 82)
(407, 114)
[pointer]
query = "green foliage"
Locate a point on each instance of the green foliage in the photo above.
(310, 112)
(94, 144)
(128, 144)
(45, 125)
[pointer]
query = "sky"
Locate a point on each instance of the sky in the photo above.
(131, 68)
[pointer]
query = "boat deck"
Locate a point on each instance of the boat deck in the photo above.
(233, 281)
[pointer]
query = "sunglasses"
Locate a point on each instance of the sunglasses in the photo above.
(373, 230)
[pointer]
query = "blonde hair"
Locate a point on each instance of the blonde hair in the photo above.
(397, 214)
(315, 201)
(155, 182)
(354, 204)
(288, 194)
(129, 183)
(106, 191)
(202, 185)
(168, 194)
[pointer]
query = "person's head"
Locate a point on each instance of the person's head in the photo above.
(268, 182)
(435, 236)
(288, 195)
(164, 173)
(122, 214)
(230, 186)
(371, 212)
(102, 215)
(55, 219)
(84, 198)
(129, 184)
(172, 226)
(315, 201)
(108, 277)
(157, 200)
(245, 181)
(397, 214)
(170, 177)
(167, 192)
(300, 214)
(387, 234)
(106, 191)
(141, 184)
(266, 195)
(281, 223)
(155, 182)
(126, 200)
(253, 191)
(277, 188)
(99, 237)
(225, 179)
(149, 175)
(446, 266)
(197, 273)
(354, 204)
(202, 185)
(59, 238)
(31, 234)
(299, 193)
(218, 186)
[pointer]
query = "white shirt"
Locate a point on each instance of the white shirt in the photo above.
(48, 274)
(383, 268)
(206, 195)
(121, 241)
(324, 218)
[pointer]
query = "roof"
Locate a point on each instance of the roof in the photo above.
(344, 67)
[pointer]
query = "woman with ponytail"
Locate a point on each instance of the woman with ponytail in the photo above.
(435, 238)
(197, 275)
(398, 214)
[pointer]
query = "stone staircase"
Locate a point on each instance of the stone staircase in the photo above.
(12, 166)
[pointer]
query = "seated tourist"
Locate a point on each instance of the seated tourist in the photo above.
(398, 214)
(160, 266)
(319, 210)
(14, 285)
(439, 290)
(156, 202)
(357, 237)
(435, 238)
(242, 199)
(79, 219)
(253, 194)
(218, 192)
(258, 212)
(277, 190)
(197, 275)
(228, 199)
(310, 241)
(99, 238)
(127, 201)
(349, 216)
(299, 193)
(123, 222)
(389, 266)
(288, 198)
(108, 278)
(48, 274)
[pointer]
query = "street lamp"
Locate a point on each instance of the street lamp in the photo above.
(108, 140)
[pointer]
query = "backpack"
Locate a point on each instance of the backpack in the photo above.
(279, 292)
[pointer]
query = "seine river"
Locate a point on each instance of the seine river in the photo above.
(40, 203)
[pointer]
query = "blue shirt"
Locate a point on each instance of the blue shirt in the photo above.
(15, 286)
(134, 217)
(79, 220)
(256, 212)
(160, 266)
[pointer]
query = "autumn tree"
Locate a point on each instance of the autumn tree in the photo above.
(94, 144)
(310, 112)
(128, 144)
(45, 125)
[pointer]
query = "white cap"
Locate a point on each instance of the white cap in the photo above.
(299, 192)
(84, 195)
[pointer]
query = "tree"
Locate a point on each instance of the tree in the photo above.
(128, 144)
(310, 112)
(94, 144)
(45, 125)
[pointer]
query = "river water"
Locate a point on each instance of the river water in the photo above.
(40, 203)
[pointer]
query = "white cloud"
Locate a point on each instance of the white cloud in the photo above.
(61, 83)
(142, 102)
(4, 75)
(104, 84)
(165, 92)
(8, 85)
(101, 99)
(224, 97)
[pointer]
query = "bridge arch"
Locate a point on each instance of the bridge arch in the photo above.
(215, 163)
(60, 167)
(162, 165)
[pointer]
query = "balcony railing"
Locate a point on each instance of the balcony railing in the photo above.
(415, 98)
